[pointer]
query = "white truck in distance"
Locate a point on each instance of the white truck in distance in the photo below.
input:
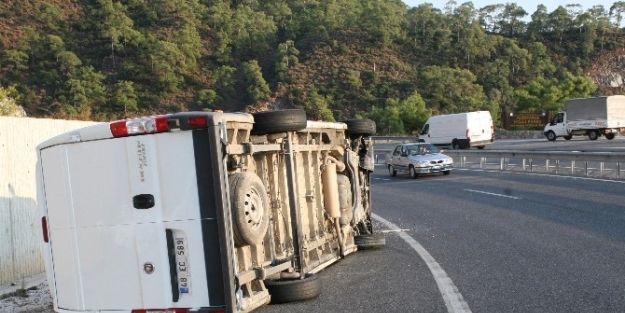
(460, 130)
(592, 117)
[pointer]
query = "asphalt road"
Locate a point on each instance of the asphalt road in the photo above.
(508, 242)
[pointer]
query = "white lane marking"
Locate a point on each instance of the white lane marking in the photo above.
(382, 178)
(394, 230)
(492, 194)
(542, 174)
(453, 299)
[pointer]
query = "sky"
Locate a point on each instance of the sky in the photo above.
(528, 5)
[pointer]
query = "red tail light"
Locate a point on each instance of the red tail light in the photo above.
(198, 121)
(139, 126)
(44, 226)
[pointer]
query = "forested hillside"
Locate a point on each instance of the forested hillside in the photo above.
(106, 59)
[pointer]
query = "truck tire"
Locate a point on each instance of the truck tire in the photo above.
(455, 145)
(370, 241)
(551, 136)
(360, 127)
(610, 136)
(567, 137)
(593, 135)
(270, 122)
(291, 290)
(392, 171)
(250, 208)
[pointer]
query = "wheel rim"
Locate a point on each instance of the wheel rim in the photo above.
(254, 209)
(551, 136)
(390, 170)
(413, 174)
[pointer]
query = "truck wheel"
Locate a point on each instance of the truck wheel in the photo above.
(610, 136)
(413, 172)
(284, 291)
(455, 145)
(370, 241)
(360, 127)
(270, 122)
(568, 137)
(392, 171)
(593, 135)
(551, 136)
(250, 209)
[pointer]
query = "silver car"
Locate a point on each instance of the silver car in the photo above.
(417, 159)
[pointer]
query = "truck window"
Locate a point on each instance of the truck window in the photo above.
(426, 129)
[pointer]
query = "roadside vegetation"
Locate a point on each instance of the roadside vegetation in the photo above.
(104, 59)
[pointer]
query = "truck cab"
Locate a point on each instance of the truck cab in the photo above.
(557, 127)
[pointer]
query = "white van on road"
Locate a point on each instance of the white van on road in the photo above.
(201, 212)
(459, 131)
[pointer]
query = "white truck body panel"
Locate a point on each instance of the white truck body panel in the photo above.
(470, 129)
(589, 116)
(99, 247)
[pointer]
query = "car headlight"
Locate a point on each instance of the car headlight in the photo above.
(422, 163)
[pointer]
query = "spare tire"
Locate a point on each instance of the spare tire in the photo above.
(360, 127)
(269, 122)
(250, 208)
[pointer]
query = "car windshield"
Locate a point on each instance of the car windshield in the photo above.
(423, 149)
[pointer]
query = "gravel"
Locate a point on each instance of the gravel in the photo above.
(36, 299)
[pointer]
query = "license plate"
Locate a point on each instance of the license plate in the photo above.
(182, 266)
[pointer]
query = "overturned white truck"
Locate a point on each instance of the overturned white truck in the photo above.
(206, 212)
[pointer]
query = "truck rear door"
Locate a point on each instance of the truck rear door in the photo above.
(117, 210)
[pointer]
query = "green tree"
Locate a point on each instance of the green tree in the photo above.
(388, 118)
(286, 58)
(256, 86)
(124, 98)
(8, 105)
(318, 107)
(550, 94)
(450, 90)
(413, 113)
(116, 25)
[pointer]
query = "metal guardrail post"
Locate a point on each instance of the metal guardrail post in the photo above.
(547, 165)
(601, 168)
(572, 167)
(586, 167)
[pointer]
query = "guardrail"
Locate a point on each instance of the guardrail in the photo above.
(589, 164)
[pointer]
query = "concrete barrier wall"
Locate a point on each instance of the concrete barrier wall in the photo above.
(20, 221)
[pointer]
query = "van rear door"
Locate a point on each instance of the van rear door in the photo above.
(117, 210)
